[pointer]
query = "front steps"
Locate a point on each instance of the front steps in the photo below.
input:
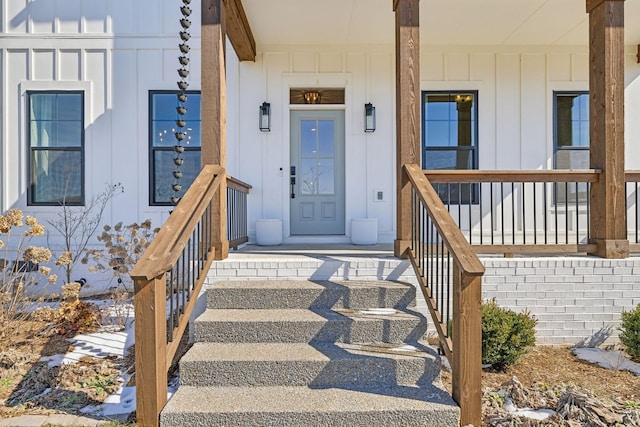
(310, 353)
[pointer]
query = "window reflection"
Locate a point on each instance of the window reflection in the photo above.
(56, 148)
(317, 152)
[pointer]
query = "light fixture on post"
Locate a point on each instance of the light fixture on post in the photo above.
(369, 117)
(265, 117)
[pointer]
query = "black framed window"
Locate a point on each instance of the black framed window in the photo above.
(571, 139)
(450, 139)
(56, 147)
(162, 118)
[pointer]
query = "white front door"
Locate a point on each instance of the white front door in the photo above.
(317, 173)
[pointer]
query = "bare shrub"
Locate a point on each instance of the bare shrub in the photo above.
(123, 247)
(20, 266)
(78, 224)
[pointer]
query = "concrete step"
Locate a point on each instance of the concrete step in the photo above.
(273, 294)
(309, 326)
(299, 364)
(303, 406)
(314, 266)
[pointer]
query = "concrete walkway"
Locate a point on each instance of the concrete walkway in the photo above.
(51, 420)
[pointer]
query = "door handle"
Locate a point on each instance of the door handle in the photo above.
(293, 182)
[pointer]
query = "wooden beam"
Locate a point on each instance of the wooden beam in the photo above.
(606, 100)
(214, 114)
(239, 31)
(407, 112)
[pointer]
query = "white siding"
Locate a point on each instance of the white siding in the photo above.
(117, 51)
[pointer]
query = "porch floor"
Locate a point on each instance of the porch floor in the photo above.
(311, 250)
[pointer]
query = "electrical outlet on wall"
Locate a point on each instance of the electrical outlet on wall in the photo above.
(379, 195)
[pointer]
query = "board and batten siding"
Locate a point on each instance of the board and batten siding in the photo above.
(116, 53)
(367, 76)
(119, 50)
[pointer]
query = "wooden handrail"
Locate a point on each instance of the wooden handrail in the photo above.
(456, 243)
(165, 248)
(632, 176)
(236, 184)
(185, 241)
(464, 348)
(237, 229)
(473, 176)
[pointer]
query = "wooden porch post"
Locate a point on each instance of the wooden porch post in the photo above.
(214, 113)
(467, 346)
(407, 113)
(606, 91)
(151, 349)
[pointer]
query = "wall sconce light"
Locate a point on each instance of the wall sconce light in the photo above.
(264, 122)
(369, 117)
(312, 97)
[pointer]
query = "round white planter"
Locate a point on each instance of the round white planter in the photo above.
(364, 231)
(268, 232)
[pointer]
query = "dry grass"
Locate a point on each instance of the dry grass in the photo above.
(546, 374)
(28, 386)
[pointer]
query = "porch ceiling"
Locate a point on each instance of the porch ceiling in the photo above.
(442, 22)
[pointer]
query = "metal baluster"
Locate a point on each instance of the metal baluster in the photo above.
(545, 218)
(535, 214)
(502, 209)
(193, 260)
(555, 187)
(492, 221)
(480, 207)
(524, 216)
(441, 275)
(170, 275)
(460, 206)
(588, 210)
(429, 263)
(449, 267)
(566, 212)
(423, 236)
(577, 217)
(470, 204)
(513, 213)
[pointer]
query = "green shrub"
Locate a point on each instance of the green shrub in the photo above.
(630, 331)
(506, 335)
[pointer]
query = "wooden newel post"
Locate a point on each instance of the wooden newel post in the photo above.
(214, 113)
(467, 346)
(606, 99)
(407, 113)
(150, 349)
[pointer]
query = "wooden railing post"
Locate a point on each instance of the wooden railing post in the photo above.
(467, 346)
(150, 349)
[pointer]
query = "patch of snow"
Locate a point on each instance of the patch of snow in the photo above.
(122, 402)
(381, 311)
(608, 359)
(405, 347)
(536, 414)
(102, 344)
(98, 344)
